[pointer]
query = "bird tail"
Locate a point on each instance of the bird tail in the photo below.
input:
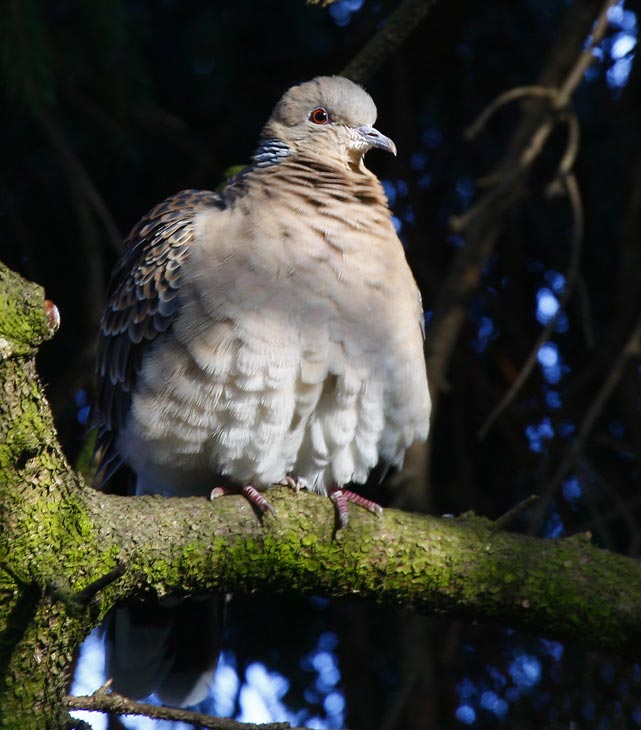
(169, 648)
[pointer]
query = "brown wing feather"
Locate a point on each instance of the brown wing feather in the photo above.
(143, 298)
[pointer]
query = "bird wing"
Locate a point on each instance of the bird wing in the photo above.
(143, 299)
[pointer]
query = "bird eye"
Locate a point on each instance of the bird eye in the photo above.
(319, 116)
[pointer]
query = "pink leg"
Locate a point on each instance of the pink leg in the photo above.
(251, 494)
(341, 497)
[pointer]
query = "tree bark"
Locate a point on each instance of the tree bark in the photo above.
(68, 554)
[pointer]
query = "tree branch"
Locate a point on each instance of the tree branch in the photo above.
(118, 705)
(631, 349)
(461, 567)
(388, 39)
(571, 189)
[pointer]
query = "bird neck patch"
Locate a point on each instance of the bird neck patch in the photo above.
(271, 151)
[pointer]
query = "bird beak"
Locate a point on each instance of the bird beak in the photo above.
(375, 139)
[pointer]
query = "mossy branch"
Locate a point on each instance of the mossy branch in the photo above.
(457, 567)
(68, 553)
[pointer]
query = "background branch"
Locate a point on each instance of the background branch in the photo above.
(571, 190)
(119, 705)
(387, 40)
(631, 349)
(482, 224)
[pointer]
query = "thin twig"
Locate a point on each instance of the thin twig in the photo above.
(622, 507)
(75, 724)
(616, 512)
(119, 705)
(597, 526)
(478, 125)
(587, 57)
(572, 190)
(508, 518)
(87, 594)
(584, 310)
(631, 348)
(77, 601)
(572, 144)
(387, 40)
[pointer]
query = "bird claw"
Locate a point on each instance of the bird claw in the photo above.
(295, 483)
(251, 494)
(341, 497)
(218, 492)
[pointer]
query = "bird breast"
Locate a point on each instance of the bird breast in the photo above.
(297, 350)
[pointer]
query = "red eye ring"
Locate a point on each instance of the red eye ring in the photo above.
(319, 116)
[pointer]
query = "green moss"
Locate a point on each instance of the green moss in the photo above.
(23, 323)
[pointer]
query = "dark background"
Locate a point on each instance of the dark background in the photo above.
(107, 108)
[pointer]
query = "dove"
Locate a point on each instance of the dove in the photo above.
(268, 333)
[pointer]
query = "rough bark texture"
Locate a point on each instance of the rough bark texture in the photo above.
(39, 520)
(57, 538)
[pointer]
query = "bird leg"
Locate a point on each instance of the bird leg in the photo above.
(341, 497)
(251, 494)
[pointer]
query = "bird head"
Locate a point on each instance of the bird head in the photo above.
(329, 116)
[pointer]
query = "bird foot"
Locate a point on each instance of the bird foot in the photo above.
(251, 494)
(341, 497)
(296, 483)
